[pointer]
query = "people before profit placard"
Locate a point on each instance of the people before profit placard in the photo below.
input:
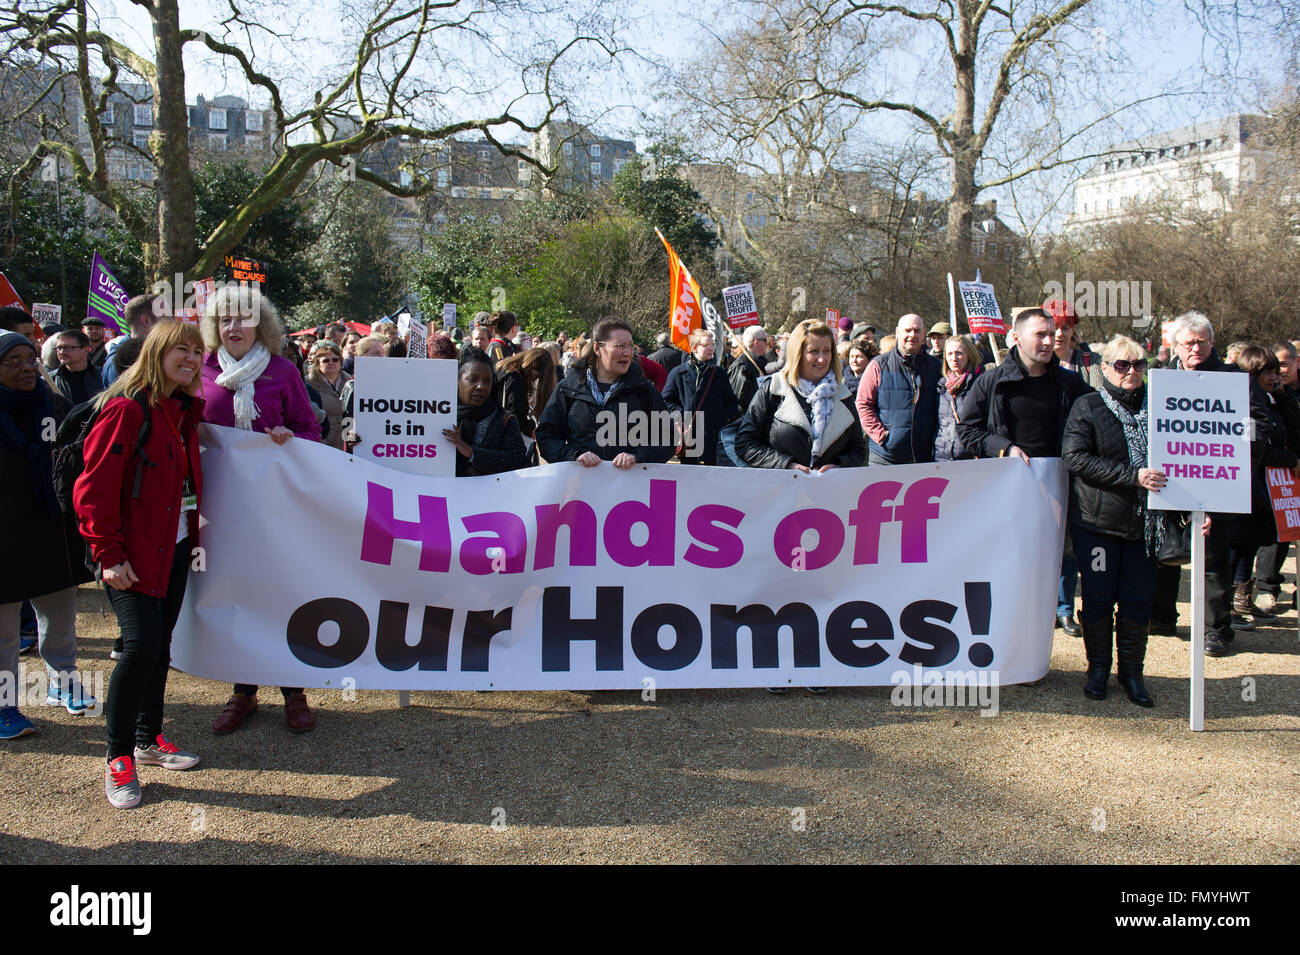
(961, 366)
(1114, 532)
(42, 559)
(605, 409)
(247, 385)
(137, 501)
(1193, 337)
(486, 437)
(897, 401)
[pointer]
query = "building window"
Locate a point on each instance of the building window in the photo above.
(594, 150)
(217, 141)
(484, 154)
(253, 121)
(525, 173)
(595, 170)
(485, 193)
(444, 178)
(106, 117)
(141, 140)
(253, 143)
(143, 115)
(568, 150)
(404, 179)
(216, 119)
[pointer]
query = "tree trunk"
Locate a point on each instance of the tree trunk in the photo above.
(961, 202)
(170, 145)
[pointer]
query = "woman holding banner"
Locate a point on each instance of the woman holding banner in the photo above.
(486, 436)
(606, 378)
(961, 366)
(137, 502)
(1105, 451)
(247, 385)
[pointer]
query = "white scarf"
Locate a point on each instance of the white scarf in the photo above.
(821, 396)
(240, 376)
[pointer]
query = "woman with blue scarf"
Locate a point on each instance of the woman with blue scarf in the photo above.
(43, 555)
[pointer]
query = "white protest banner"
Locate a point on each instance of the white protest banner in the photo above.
(1199, 436)
(981, 307)
(418, 346)
(43, 313)
(400, 407)
(403, 323)
(449, 315)
(740, 305)
(564, 577)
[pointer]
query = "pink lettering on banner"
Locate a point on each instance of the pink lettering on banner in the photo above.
(788, 540)
(382, 530)
(660, 519)
(580, 520)
(702, 524)
(511, 538)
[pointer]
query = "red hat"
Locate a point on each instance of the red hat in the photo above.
(1062, 312)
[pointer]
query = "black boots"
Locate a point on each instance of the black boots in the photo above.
(1097, 637)
(1131, 648)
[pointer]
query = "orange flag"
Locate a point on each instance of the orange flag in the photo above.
(683, 299)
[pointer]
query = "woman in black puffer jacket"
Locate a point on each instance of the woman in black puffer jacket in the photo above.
(803, 417)
(605, 409)
(1114, 533)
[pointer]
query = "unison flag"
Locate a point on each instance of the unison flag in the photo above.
(107, 300)
(683, 299)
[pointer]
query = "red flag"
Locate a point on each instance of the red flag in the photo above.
(683, 299)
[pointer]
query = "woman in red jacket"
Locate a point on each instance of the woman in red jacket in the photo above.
(137, 506)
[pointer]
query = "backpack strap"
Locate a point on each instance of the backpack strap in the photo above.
(141, 458)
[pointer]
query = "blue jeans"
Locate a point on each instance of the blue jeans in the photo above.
(1068, 583)
(1114, 571)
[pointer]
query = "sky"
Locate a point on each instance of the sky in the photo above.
(1147, 47)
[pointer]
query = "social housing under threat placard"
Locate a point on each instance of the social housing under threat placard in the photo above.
(1199, 436)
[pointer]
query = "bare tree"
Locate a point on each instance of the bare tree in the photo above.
(410, 72)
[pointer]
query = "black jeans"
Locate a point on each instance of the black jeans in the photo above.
(1218, 582)
(1113, 571)
(1268, 567)
(134, 709)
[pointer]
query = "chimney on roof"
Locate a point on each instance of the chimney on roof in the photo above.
(993, 207)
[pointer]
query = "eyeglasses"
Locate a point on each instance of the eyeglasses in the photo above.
(1197, 343)
(619, 346)
(329, 359)
(68, 347)
(11, 364)
(1122, 366)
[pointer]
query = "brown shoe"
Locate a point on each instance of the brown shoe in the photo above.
(296, 713)
(238, 708)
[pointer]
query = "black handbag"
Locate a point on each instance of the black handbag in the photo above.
(1176, 547)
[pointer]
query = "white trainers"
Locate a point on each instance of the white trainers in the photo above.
(121, 784)
(165, 754)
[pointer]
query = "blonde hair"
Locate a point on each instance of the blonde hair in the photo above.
(887, 343)
(967, 346)
(797, 343)
(249, 302)
(362, 348)
(147, 372)
(1121, 346)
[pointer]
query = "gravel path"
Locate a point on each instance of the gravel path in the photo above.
(696, 776)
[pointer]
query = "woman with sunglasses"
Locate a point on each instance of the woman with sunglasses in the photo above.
(1114, 531)
(326, 375)
(605, 377)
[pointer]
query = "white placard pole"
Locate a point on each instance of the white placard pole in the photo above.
(952, 305)
(1198, 623)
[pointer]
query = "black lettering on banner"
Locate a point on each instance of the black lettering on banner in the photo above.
(394, 653)
(688, 637)
(726, 620)
(480, 627)
(559, 629)
(842, 634)
(940, 644)
(303, 632)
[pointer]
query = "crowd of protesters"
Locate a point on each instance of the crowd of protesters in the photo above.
(818, 397)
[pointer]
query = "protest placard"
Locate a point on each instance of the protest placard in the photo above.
(833, 317)
(403, 323)
(740, 305)
(449, 315)
(8, 294)
(400, 407)
(43, 313)
(247, 270)
(1199, 436)
(981, 307)
(1282, 485)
